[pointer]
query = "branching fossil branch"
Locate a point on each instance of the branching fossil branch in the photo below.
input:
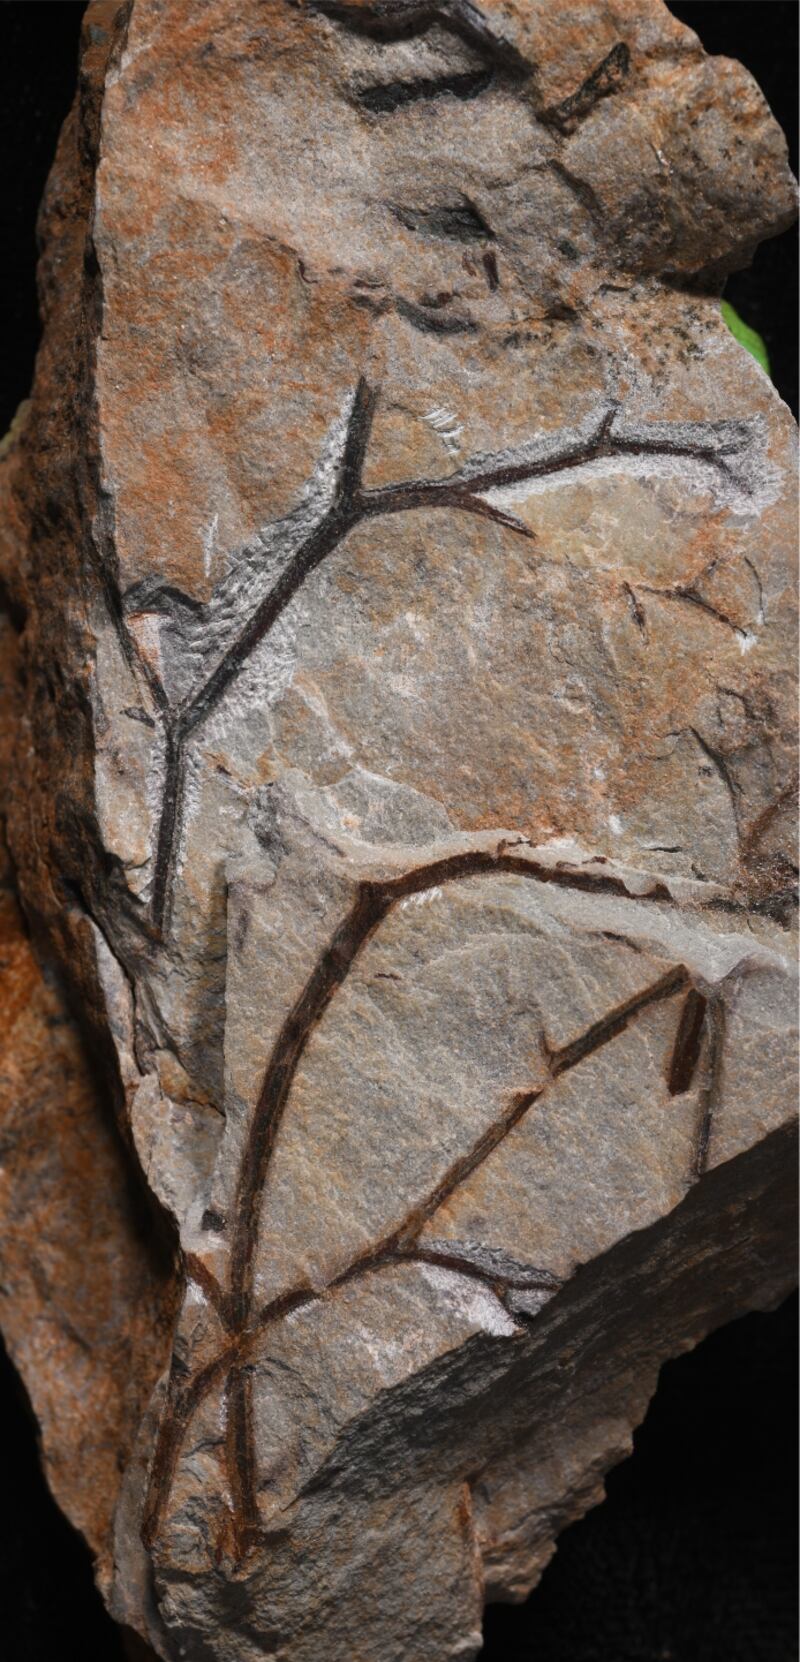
(240, 1318)
(467, 491)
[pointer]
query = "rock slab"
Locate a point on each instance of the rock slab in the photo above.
(399, 649)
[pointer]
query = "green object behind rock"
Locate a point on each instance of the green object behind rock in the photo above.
(745, 335)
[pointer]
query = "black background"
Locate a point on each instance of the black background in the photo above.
(692, 1557)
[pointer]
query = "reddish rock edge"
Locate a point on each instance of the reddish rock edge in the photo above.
(74, 1338)
(87, 1261)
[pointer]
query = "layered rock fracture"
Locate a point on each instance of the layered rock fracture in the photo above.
(400, 556)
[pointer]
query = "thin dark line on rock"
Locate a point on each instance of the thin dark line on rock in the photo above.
(170, 802)
(607, 78)
(285, 1305)
(715, 1029)
(241, 1458)
(763, 821)
(199, 1272)
(637, 610)
(490, 267)
(326, 978)
(692, 597)
(182, 1402)
(582, 191)
(400, 1245)
(340, 518)
(688, 1043)
(418, 493)
(432, 322)
(531, 1280)
(720, 765)
(384, 97)
(609, 1026)
(462, 1169)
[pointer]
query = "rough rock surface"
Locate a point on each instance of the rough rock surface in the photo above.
(400, 553)
(87, 1290)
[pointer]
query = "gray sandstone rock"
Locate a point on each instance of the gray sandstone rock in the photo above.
(404, 778)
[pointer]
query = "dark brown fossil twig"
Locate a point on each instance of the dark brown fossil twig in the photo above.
(464, 492)
(373, 902)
